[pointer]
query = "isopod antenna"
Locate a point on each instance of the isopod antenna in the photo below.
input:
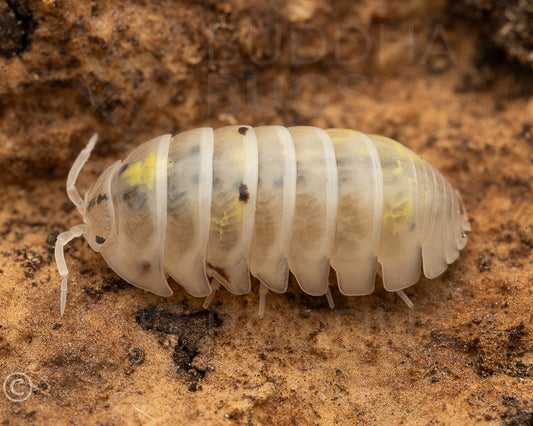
(77, 231)
(75, 170)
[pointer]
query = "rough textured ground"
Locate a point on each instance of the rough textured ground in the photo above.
(428, 76)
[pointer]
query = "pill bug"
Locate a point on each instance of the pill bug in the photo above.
(237, 200)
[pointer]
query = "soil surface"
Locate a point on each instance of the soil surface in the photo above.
(453, 83)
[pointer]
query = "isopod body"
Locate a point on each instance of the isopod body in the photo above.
(237, 200)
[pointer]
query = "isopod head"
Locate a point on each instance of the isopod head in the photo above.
(99, 213)
(116, 234)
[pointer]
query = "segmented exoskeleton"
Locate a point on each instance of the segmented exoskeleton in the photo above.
(238, 200)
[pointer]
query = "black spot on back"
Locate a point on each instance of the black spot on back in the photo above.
(91, 204)
(243, 130)
(100, 198)
(244, 196)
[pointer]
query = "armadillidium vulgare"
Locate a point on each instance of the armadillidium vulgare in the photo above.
(241, 200)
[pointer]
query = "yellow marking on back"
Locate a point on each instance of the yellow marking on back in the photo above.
(399, 207)
(397, 215)
(335, 133)
(233, 211)
(398, 170)
(143, 172)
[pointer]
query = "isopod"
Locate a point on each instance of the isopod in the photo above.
(238, 200)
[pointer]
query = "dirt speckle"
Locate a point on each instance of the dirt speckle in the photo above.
(31, 261)
(109, 284)
(517, 413)
(51, 241)
(136, 355)
(499, 354)
(506, 23)
(16, 27)
(190, 328)
(484, 261)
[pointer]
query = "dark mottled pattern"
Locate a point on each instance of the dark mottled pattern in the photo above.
(220, 271)
(135, 197)
(100, 198)
(174, 195)
(91, 204)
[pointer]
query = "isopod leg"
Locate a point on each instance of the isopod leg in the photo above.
(62, 240)
(405, 299)
(410, 305)
(329, 297)
(214, 287)
(263, 291)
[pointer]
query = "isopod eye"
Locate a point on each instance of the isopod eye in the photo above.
(99, 211)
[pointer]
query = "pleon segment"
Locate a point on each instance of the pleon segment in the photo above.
(399, 252)
(461, 221)
(190, 180)
(451, 251)
(316, 209)
(276, 194)
(360, 212)
(235, 169)
(430, 208)
(140, 198)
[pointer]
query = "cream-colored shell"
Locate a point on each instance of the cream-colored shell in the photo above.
(240, 200)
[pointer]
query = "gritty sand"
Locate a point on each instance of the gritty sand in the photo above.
(430, 77)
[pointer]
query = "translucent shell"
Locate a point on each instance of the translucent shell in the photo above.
(139, 197)
(262, 201)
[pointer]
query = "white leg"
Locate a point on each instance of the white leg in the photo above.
(410, 305)
(329, 296)
(74, 171)
(263, 291)
(62, 240)
(214, 287)
(406, 299)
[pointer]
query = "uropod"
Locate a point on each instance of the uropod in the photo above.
(227, 203)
